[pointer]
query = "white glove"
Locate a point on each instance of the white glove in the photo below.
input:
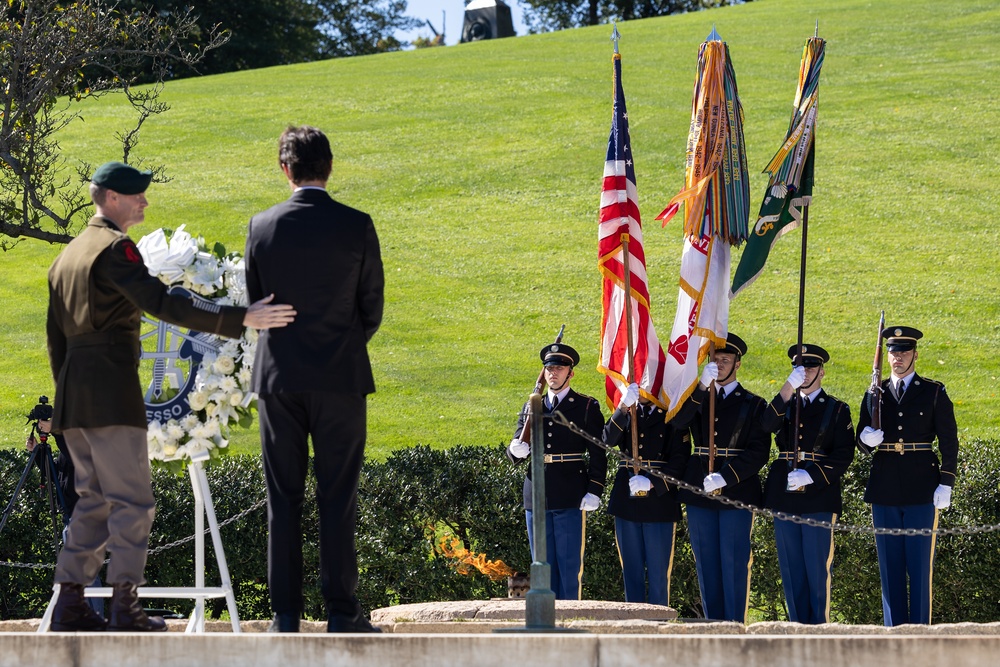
(798, 478)
(590, 503)
(714, 481)
(797, 377)
(639, 484)
(942, 497)
(630, 397)
(709, 374)
(871, 437)
(519, 449)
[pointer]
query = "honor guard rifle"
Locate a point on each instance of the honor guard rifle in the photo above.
(875, 390)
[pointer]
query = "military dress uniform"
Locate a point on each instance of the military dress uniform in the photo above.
(905, 471)
(645, 526)
(574, 467)
(826, 449)
(99, 287)
(720, 534)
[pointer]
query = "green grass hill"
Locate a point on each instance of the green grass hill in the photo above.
(481, 165)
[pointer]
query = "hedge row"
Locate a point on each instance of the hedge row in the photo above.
(419, 495)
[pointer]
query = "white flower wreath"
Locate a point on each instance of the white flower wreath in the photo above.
(221, 395)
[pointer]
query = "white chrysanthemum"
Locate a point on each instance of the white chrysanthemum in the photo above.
(229, 384)
(174, 431)
(214, 430)
(189, 422)
(244, 375)
(235, 280)
(230, 348)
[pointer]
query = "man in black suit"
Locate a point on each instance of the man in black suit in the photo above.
(312, 379)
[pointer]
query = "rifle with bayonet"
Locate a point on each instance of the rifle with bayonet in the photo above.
(875, 390)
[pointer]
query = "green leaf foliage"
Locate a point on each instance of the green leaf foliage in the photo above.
(418, 494)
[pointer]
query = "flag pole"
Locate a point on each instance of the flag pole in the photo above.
(633, 418)
(711, 417)
(802, 308)
(798, 349)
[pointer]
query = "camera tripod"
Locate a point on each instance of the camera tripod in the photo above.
(41, 456)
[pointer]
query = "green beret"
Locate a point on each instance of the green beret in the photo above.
(121, 178)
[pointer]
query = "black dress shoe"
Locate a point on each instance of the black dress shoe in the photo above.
(127, 614)
(344, 623)
(284, 623)
(72, 612)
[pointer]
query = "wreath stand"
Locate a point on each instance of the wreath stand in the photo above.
(202, 506)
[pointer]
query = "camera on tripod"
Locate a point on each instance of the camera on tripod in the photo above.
(42, 411)
(41, 457)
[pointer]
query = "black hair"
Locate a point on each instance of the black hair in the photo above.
(306, 152)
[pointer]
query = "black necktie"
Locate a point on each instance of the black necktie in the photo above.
(900, 388)
(553, 402)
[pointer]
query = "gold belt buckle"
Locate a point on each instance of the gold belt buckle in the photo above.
(802, 456)
(547, 458)
(899, 448)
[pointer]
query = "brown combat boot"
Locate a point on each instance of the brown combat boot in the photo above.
(127, 614)
(72, 613)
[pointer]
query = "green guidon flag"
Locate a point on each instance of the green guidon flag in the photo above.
(789, 188)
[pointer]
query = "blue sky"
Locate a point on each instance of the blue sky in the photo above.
(455, 13)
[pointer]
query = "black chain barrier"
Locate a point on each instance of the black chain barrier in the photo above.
(560, 419)
(151, 552)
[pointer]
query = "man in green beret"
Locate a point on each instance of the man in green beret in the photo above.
(99, 287)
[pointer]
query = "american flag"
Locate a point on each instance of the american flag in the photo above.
(620, 221)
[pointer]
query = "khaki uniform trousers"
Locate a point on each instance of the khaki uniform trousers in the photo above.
(116, 506)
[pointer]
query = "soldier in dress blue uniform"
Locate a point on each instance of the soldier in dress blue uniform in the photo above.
(575, 470)
(907, 485)
(720, 534)
(810, 489)
(645, 507)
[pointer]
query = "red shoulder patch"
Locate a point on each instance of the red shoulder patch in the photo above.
(131, 252)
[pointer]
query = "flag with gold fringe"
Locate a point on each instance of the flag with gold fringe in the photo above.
(790, 185)
(716, 204)
(620, 229)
